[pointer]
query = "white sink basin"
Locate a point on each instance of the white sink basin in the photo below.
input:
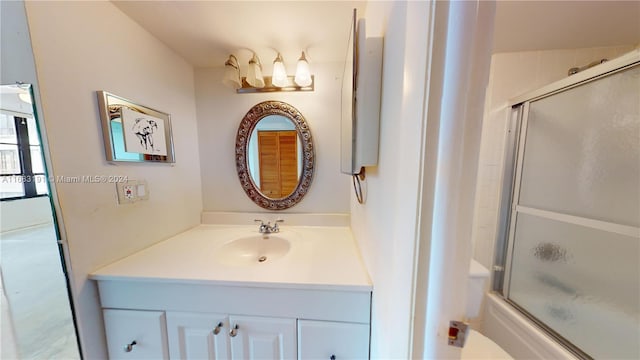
(253, 250)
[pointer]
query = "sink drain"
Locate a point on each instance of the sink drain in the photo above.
(262, 259)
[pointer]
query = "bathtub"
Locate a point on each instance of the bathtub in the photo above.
(518, 335)
(480, 347)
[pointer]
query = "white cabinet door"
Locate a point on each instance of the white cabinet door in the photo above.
(255, 338)
(198, 336)
(135, 334)
(332, 340)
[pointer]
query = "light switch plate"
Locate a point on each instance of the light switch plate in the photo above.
(142, 190)
(132, 191)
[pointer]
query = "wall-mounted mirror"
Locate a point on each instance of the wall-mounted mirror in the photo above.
(133, 132)
(274, 155)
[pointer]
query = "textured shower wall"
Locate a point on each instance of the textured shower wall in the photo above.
(513, 74)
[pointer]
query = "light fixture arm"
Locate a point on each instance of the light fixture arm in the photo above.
(232, 61)
(255, 60)
(278, 58)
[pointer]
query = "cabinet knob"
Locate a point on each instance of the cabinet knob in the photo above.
(217, 329)
(234, 331)
(333, 357)
(129, 347)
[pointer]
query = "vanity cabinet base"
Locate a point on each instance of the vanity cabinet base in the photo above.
(219, 336)
(191, 321)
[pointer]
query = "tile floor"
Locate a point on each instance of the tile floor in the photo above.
(35, 287)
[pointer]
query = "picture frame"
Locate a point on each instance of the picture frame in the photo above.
(133, 132)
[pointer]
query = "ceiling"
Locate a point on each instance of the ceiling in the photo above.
(206, 32)
(537, 25)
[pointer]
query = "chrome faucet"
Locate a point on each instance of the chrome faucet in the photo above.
(267, 228)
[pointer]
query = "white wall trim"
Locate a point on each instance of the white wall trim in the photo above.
(428, 157)
(457, 78)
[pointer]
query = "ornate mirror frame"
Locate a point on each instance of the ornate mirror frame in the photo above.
(247, 125)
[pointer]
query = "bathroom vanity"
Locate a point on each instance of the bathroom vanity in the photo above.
(229, 292)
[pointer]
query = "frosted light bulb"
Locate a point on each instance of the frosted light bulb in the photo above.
(279, 77)
(254, 74)
(232, 73)
(303, 74)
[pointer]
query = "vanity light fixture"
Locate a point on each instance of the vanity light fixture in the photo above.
(254, 74)
(303, 74)
(279, 77)
(255, 82)
(232, 73)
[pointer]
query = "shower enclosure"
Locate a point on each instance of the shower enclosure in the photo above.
(569, 253)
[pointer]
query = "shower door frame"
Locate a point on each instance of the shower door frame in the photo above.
(512, 177)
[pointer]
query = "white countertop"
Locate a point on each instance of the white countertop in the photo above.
(321, 257)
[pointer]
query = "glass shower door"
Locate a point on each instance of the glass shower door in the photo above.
(575, 232)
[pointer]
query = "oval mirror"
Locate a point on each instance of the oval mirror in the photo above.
(274, 155)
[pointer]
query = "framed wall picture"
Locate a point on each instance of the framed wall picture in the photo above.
(134, 132)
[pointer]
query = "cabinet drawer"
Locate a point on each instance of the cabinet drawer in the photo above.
(332, 340)
(135, 334)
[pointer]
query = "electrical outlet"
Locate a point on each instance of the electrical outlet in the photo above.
(457, 333)
(127, 193)
(132, 191)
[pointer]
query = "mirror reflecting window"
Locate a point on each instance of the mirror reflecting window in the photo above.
(274, 155)
(21, 160)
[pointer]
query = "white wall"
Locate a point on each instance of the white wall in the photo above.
(458, 75)
(17, 214)
(415, 228)
(82, 47)
(513, 74)
(220, 111)
(385, 226)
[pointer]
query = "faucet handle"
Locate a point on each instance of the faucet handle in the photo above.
(275, 227)
(264, 228)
